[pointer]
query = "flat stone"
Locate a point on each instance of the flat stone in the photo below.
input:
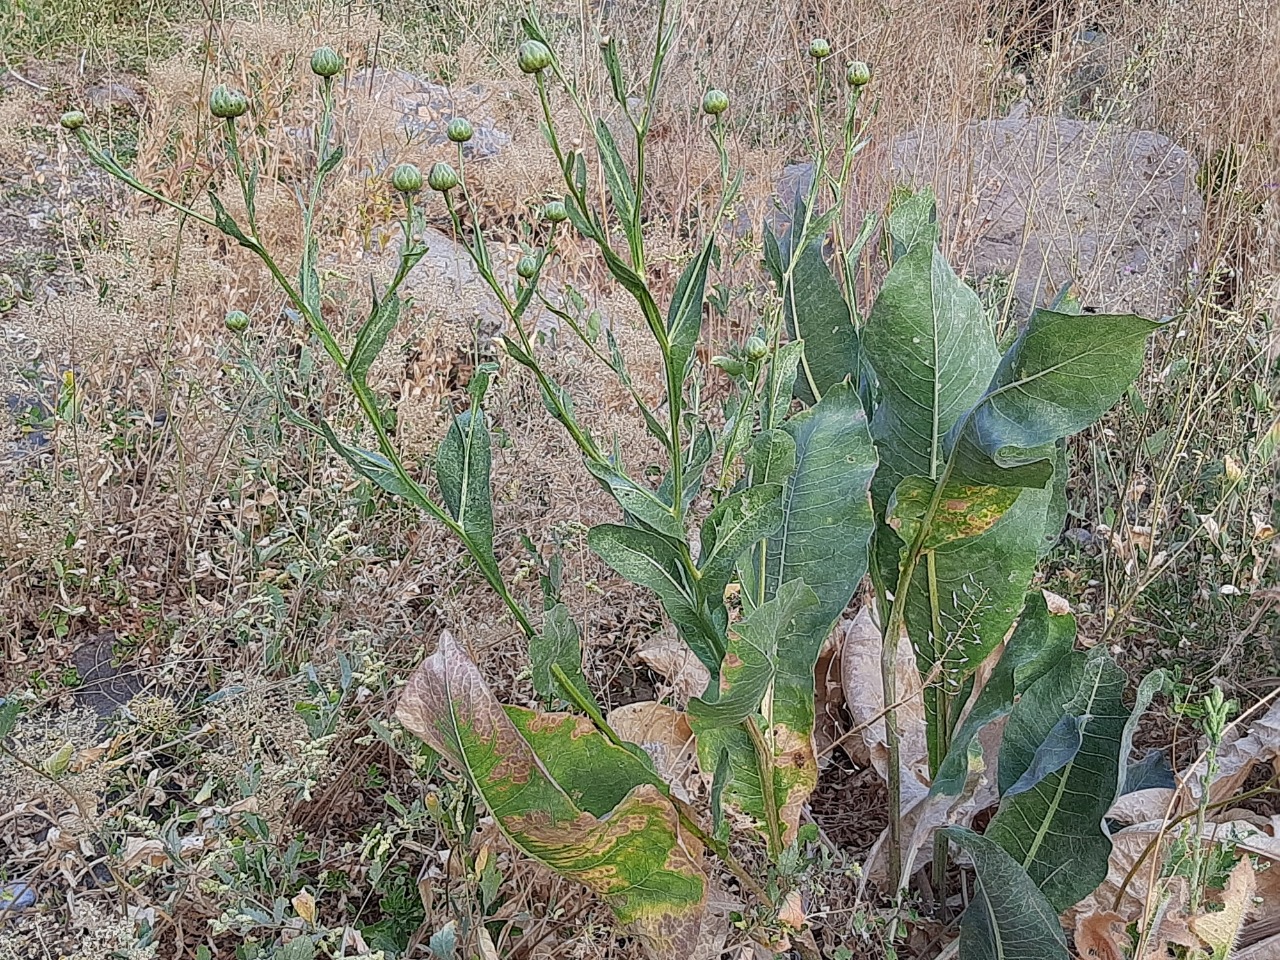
(1044, 202)
(421, 110)
(1050, 201)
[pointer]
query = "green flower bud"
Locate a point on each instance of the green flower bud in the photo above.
(527, 268)
(326, 62)
(859, 74)
(227, 104)
(533, 56)
(819, 49)
(460, 130)
(715, 102)
(237, 321)
(555, 211)
(407, 178)
(757, 349)
(73, 120)
(442, 177)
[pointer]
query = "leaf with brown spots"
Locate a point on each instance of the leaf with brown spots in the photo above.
(567, 797)
(964, 510)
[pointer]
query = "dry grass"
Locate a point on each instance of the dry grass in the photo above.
(161, 499)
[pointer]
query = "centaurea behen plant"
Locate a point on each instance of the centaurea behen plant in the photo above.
(896, 441)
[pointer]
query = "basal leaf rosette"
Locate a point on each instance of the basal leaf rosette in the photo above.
(566, 796)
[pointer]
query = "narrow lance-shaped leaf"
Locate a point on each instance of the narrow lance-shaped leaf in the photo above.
(653, 561)
(638, 501)
(1008, 918)
(767, 681)
(559, 645)
(1059, 765)
(684, 318)
(736, 523)
(1039, 642)
(814, 308)
(463, 464)
(615, 173)
(583, 807)
(373, 337)
(826, 511)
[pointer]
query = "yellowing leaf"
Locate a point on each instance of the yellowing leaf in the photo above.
(304, 904)
(585, 808)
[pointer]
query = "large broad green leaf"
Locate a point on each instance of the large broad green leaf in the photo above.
(1151, 770)
(653, 561)
(964, 597)
(767, 681)
(1039, 642)
(1056, 515)
(1008, 918)
(826, 511)
(933, 354)
(814, 308)
(1062, 373)
(566, 797)
(1059, 766)
(912, 220)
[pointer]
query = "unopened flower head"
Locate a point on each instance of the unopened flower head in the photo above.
(326, 62)
(859, 74)
(460, 130)
(556, 211)
(819, 48)
(442, 177)
(407, 178)
(715, 102)
(533, 56)
(226, 103)
(73, 120)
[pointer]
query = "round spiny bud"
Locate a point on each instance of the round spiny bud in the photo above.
(237, 321)
(859, 74)
(326, 62)
(460, 130)
(715, 102)
(227, 104)
(556, 211)
(442, 177)
(819, 48)
(72, 120)
(407, 178)
(527, 268)
(533, 56)
(757, 349)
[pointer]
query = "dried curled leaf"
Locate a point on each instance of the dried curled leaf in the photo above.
(585, 808)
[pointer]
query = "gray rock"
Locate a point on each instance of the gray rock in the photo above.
(1044, 202)
(1051, 201)
(108, 95)
(422, 109)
